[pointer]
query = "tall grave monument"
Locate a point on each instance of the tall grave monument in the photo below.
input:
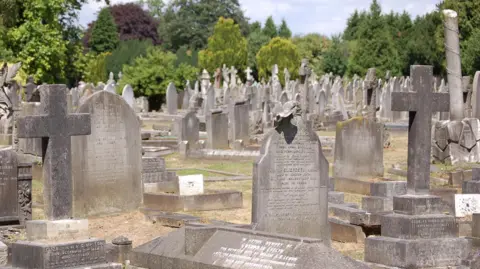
(417, 234)
(65, 242)
(290, 180)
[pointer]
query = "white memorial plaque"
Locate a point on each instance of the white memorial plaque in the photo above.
(466, 204)
(190, 185)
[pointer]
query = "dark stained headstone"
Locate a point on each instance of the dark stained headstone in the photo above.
(189, 129)
(153, 169)
(421, 105)
(8, 186)
(107, 167)
(240, 122)
(217, 130)
(30, 90)
(55, 126)
(290, 181)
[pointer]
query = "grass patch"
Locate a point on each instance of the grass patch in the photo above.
(243, 167)
(196, 172)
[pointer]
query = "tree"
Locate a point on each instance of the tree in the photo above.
(135, 23)
(353, 24)
(278, 51)
(190, 22)
(471, 54)
(154, 7)
(256, 40)
(225, 46)
(335, 58)
(270, 29)
(284, 31)
(255, 26)
(375, 47)
(150, 75)
(95, 67)
(125, 54)
(312, 47)
(104, 33)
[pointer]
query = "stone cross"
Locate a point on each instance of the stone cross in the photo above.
(205, 81)
(421, 105)
(233, 76)
(56, 126)
(371, 85)
(225, 74)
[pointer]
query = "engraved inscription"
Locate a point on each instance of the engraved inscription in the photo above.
(431, 228)
(8, 185)
(107, 159)
(294, 187)
(153, 170)
(255, 253)
(76, 254)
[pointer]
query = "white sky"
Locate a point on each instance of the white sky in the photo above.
(303, 16)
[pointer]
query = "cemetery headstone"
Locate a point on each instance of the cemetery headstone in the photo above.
(417, 234)
(153, 170)
(466, 205)
(107, 164)
(217, 130)
(128, 95)
(290, 180)
(109, 88)
(8, 186)
(172, 96)
(240, 122)
(359, 148)
(189, 128)
(472, 186)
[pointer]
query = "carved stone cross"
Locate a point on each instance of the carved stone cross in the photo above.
(420, 105)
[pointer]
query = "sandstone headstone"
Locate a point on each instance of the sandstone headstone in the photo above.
(359, 148)
(290, 180)
(107, 164)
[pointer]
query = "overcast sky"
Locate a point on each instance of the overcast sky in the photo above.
(303, 16)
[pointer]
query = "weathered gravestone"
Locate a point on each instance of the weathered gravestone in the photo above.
(128, 95)
(359, 148)
(8, 186)
(229, 247)
(107, 164)
(57, 126)
(472, 186)
(172, 99)
(239, 121)
(290, 180)
(153, 170)
(217, 130)
(109, 88)
(417, 234)
(189, 129)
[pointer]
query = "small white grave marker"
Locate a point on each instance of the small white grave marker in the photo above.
(466, 204)
(190, 185)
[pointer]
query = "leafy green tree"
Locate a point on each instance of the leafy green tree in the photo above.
(335, 58)
(284, 31)
(312, 47)
(95, 67)
(270, 29)
(471, 54)
(225, 46)
(126, 53)
(150, 75)
(256, 40)
(154, 7)
(187, 56)
(375, 47)
(190, 22)
(278, 51)
(255, 26)
(104, 33)
(353, 25)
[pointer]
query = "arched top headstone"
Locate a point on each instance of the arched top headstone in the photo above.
(128, 95)
(106, 165)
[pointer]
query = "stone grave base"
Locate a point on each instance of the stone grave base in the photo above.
(58, 230)
(471, 187)
(210, 200)
(76, 254)
(428, 253)
(226, 247)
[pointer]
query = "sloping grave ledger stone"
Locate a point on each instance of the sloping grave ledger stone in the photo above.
(215, 247)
